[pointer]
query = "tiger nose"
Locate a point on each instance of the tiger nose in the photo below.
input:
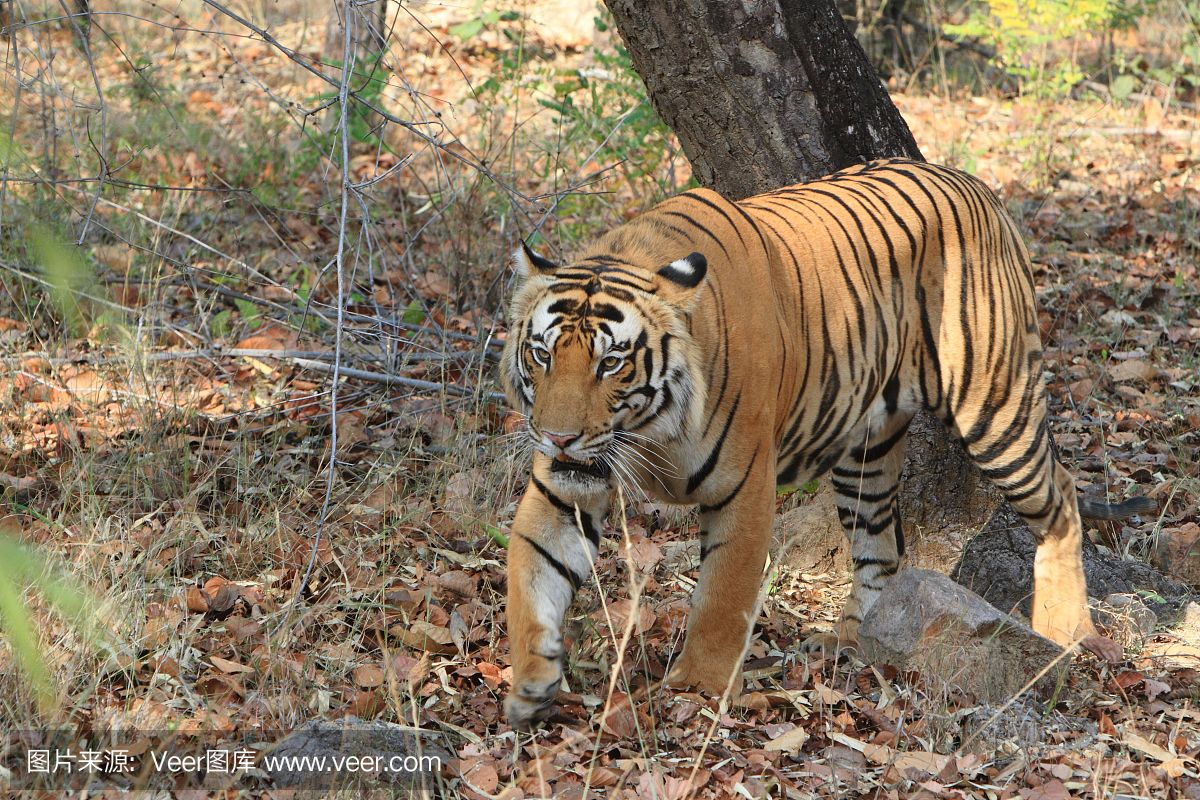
(563, 440)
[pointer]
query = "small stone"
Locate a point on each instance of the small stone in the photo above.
(810, 538)
(927, 622)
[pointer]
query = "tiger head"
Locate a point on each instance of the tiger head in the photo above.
(599, 357)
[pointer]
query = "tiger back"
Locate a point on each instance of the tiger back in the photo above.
(709, 350)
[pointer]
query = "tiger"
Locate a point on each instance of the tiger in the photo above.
(709, 350)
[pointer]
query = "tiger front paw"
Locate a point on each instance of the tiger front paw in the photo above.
(530, 702)
(706, 674)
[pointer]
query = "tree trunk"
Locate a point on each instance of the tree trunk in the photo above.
(767, 94)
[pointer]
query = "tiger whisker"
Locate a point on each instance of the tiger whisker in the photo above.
(642, 459)
(623, 453)
(658, 451)
(628, 484)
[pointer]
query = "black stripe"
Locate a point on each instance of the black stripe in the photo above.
(589, 527)
(866, 561)
(880, 449)
(856, 493)
(559, 567)
(710, 463)
(687, 218)
(720, 211)
(729, 498)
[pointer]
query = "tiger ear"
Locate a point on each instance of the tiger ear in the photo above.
(681, 278)
(527, 263)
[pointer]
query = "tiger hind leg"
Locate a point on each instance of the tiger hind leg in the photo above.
(864, 484)
(1019, 460)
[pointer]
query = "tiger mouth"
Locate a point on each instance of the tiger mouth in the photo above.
(595, 469)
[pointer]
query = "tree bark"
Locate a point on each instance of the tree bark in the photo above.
(995, 565)
(761, 95)
(766, 94)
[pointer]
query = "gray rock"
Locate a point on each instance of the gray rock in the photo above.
(1127, 619)
(399, 747)
(952, 636)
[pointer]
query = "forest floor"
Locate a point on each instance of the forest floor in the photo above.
(165, 426)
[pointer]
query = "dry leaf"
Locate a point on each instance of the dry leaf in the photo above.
(644, 553)
(789, 742)
(1145, 746)
(752, 701)
(828, 695)
(490, 674)
(603, 776)
(269, 337)
(1155, 688)
(1133, 370)
(229, 667)
(196, 600)
(368, 676)
(482, 778)
(1050, 790)
(621, 611)
(620, 718)
(422, 635)
(458, 582)
(223, 599)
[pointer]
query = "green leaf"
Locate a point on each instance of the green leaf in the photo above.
(414, 314)
(249, 312)
(70, 277)
(560, 108)
(467, 30)
(809, 488)
(496, 535)
(1123, 86)
(220, 322)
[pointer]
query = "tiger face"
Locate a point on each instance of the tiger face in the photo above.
(599, 358)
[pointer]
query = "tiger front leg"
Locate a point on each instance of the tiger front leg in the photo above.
(735, 535)
(550, 555)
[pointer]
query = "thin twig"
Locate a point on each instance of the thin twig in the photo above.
(412, 127)
(385, 378)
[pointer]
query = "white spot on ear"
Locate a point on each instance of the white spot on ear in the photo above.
(682, 266)
(687, 271)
